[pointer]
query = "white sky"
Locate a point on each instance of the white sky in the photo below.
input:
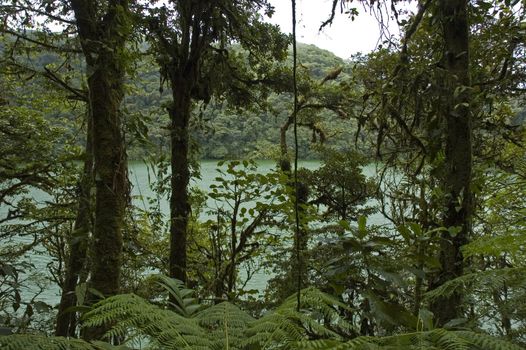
(343, 38)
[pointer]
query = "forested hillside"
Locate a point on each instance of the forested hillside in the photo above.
(407, 231)
(220, 130)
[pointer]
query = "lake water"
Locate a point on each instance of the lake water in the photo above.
(138, 176)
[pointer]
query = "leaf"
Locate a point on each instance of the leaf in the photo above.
(16, 304)
(80, 293)
(404, 231)
(9, 270)
(345, 224)
(393, 314)
(426, 318)
(96, 293)
(41, 306)
(456, 322)
(454, 230)
(362, 221)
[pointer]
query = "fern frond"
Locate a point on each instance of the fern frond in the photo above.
(39, 342)
(132, 317)
(322, 344)
(225, 325)
(488, 279)
(185, 304)
(437, 339)
(481, 341)
(509, 242)
(285, 327)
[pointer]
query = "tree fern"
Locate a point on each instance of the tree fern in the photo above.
(184, 304)
(39, 342)
(485, 279)
(134, 317)
(217, 327)
(285, 327)
(225, 325)
(481, 341)
(318, 325)
(437, 339)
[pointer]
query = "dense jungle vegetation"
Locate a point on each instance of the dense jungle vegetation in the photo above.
(410, 233)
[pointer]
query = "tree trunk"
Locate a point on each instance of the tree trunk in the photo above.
(179, 205)
(298, 265)
(78, 242)
(458, 154)
(103, 43)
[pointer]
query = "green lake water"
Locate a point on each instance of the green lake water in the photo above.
(138, 176)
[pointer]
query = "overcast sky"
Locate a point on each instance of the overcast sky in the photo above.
(344, 37)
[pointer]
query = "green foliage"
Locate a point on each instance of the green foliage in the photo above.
(378, 275)
(134, 317)
(225, 325)
(284, 327)
(244, 208)
(488, 280)
(37, 161)
(39, 342)
(182, 302)
(318, 325)
(339, 185)
(221, 326)
(435, 339)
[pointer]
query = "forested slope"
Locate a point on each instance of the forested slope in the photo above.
(226, 132)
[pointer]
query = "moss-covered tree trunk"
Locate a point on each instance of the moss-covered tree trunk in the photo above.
(458, 153)
(103, 37)
(78, 242)
(179, 203)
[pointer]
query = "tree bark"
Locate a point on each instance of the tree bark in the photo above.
(103, 43)
(78, 242)
(458, 153)
(179, 204)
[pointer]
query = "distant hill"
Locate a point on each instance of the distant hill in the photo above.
(217, 132)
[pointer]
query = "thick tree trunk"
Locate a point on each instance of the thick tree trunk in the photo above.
(110, 181)
(103, 43)
(179, 204)
(458, 161)
(78, 242)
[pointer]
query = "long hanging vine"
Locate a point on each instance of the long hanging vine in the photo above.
(296, 187)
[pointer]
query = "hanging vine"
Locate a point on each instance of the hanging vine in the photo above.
(296, 194)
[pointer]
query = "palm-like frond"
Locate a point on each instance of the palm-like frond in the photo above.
(437, 339)
(316, 326)
(39, 342)
(184, 304)
(286, 327)
(225, 325)
(134, 317)
(487, 279)
(481, 341)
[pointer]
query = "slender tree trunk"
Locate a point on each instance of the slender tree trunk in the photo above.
(103, 43)
(179, 204)
(458, 161)
(298, 266)
(78, 242)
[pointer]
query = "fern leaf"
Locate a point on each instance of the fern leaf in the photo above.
(481, 341)
(133, 317)
(39, 342)
(225, 324)
(489, 279)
